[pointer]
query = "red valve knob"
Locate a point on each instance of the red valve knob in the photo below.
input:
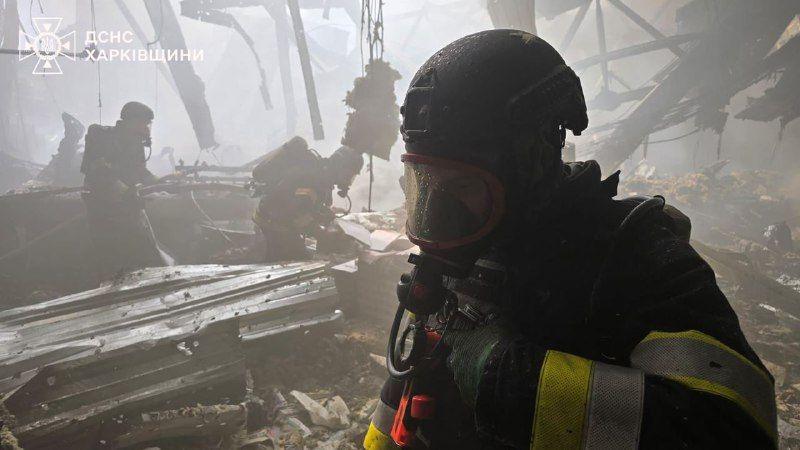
(423, 407)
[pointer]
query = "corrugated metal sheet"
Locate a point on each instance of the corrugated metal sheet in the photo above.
(159, 303)
(88, 402)
(79, 368)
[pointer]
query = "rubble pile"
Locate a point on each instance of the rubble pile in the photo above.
(741, 203)
(323, 396)
(82, 369)
(200, 356)
(368, 283)
(775, 335)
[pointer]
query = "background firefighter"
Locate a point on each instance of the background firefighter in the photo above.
(574, 320)
(114, 164)
(295, 185)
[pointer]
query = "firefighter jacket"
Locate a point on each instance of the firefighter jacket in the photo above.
(614, 341)
(299, 199)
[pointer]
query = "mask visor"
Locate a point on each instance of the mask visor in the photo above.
(449, 203)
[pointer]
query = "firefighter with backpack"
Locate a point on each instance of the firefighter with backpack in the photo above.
(295, 185)
(114, 166)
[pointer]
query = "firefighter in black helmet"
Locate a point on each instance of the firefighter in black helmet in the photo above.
(573, 320)
(114, 166)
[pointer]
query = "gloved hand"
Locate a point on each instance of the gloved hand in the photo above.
(469, 353)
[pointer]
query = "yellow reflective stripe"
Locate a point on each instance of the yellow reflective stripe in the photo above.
(700, 384)
(306, 192)
(702, 337)
(376, 440)
(561, 401)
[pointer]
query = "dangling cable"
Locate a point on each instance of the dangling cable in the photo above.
(211, 223)
(156, 40)
(349, 207)
(99, 78)
(160, 26)
(372, 22)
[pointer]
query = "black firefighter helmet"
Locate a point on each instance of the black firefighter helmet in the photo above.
(136, 111)
(467, 111)
(343, 166)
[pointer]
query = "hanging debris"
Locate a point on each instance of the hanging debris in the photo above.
(373, 124)
(64, 168)
(516, 14)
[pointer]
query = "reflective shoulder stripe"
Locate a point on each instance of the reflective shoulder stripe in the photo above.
(581, 404)
(616, 405)
(700, 362)
(377, 440)
(383, 417)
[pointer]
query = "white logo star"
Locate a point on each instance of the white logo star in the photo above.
(47, 45)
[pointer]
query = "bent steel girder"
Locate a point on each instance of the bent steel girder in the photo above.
(137, 29)
(727, 60)
(574, 26)
(644, 24)
(190, 87)
(203, 11)
(635, 50)
(607, 97)
(308, 74)
(210, 11)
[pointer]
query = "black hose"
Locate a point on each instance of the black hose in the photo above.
(435, 352)
(601, 317)
(641, 210)
(349, 207)
(390, 350)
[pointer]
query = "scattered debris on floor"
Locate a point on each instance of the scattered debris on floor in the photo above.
(75, 368)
